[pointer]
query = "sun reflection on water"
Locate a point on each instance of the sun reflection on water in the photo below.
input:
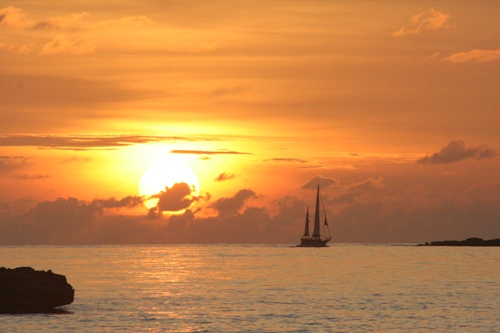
(265, 288)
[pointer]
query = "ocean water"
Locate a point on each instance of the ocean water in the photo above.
(263, 288)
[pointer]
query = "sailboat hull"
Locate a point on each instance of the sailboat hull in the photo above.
(313, 242)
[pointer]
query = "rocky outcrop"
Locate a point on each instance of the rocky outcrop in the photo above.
(467, 242)
(25, 290)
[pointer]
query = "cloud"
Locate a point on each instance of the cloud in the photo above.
(231, 206)
(367, 185)
(4, 208)
(402, 222)
(225, 176)
(85, 142)
(76, 207)
(26, 48)
(8, 163)
(71, 221)
(72, 22)
(382, 219)
(208, 152)
(359, 189)
(312, 167)
(75, 159)
(16, 18)
(76, 22)
(175, 198)
(476, 55)
(486, 191)
(291, 160)
(456, 151)
(52, 96)
(62, 45)
(29, 177)
(22, 49)
(224, 92)
(323, 182)
(62, 221)
(126, 202)
(13, 17)
(425, 21)
(128, 22)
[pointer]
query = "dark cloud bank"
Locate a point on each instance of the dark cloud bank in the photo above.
(456, 151)
(363, 212)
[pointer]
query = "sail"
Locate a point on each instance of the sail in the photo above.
(316, 232)
(306, 231)
(315, 240)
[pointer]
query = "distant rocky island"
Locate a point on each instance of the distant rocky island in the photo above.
(467, 242)
(25, 290)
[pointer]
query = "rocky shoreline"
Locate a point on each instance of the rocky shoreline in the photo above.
(467, 242)
(25, 290)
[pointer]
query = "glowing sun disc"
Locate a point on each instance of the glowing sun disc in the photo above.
(165, 174)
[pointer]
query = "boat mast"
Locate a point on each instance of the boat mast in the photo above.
(316, 232)
(306, 231)
(326, 222)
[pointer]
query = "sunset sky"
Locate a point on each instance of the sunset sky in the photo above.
(391, 106)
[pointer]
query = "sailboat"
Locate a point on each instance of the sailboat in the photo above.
(315, 240)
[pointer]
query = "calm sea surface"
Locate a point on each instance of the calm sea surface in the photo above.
(262, 288)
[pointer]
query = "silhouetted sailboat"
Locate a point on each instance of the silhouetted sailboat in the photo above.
(315, 240)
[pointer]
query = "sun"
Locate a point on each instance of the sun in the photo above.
(170, 187)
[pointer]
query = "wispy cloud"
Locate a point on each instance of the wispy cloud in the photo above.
(29, 177)
(19, 49)
(14, 17)
(129, 22)
(208, 152)
(425, 21)
(63, 45)
(456, 151)
(75, 159)
(72, 22)
(8, 163)
(291, 160)
(477, 55)
(83, 142)
(225, 176)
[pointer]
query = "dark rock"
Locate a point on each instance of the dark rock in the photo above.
(468, 242)
(25, 290)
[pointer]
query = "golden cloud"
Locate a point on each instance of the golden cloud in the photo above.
(62, 45)
(425, 21)
(13, 17)
(476, 55)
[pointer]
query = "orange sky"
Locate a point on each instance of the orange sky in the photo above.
(392, 107)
